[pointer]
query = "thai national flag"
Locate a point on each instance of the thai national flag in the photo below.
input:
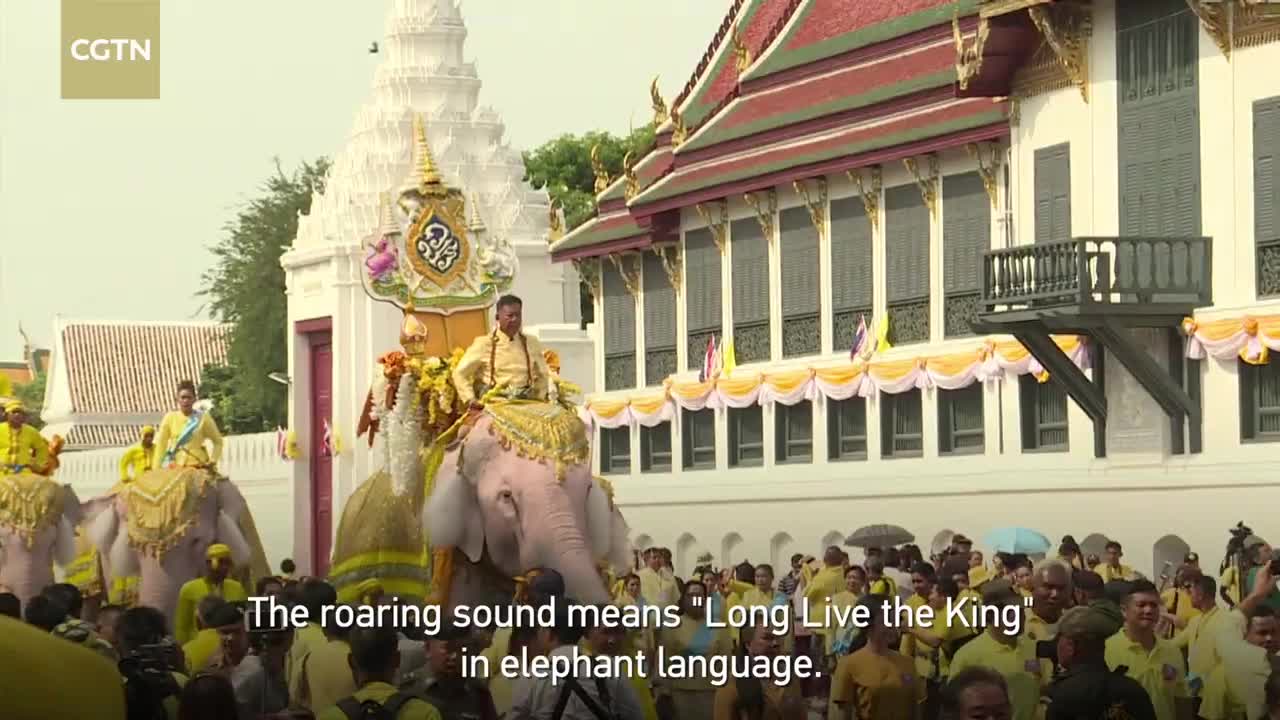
(859, 338)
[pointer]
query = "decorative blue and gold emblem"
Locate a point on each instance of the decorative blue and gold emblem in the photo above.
(437, 250)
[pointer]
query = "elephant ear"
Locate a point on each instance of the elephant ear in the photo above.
(452, 516)
(230, 535)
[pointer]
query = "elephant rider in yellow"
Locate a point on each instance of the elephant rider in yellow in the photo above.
(214, 582)
(21, 446)
(184, 432)
(504, 358)
(138, 458)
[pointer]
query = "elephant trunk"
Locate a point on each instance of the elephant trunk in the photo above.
(562, 546)
(161, 580)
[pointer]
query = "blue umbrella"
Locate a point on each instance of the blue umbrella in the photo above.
(1018, 541)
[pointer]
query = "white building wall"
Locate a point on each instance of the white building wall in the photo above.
(1137, 498)
(251, 461)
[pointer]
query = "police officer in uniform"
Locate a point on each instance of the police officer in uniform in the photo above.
(442, 683)
(1087, 689)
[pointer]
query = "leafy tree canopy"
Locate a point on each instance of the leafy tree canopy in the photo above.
(563, 166)
(32, 395)
(246, 287)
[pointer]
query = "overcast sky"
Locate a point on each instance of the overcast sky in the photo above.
(106, 207)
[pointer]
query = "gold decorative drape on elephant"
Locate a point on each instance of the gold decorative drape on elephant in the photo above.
(380, 537)
(30, 503)
(163, 504)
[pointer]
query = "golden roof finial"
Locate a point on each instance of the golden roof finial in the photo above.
(629, 172)
(659, 105)
(425, 165)
(597, 167)
(740, 50)
(678, 132)
(474, 222)
(387, 224)
(555, 226)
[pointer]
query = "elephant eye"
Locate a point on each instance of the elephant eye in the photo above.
(505, 495)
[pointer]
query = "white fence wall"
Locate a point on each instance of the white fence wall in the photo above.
(250, 461)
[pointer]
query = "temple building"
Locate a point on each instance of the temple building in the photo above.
(336, 330)
(107, 379)
(951, 265)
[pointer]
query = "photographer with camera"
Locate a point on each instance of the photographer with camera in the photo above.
(151, 684)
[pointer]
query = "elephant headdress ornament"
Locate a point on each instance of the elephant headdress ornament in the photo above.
(466, 501)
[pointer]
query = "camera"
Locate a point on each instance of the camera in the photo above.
(1047, 650)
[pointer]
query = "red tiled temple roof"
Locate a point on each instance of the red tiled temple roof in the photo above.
(875, 140)
(131, 368)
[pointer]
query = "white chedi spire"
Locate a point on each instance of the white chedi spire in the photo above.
(422, 70)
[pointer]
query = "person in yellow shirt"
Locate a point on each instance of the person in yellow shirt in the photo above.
(215, 582)
(138, 458)
(1178, 608)
(609, 641)
(200, 649)
(1111, 569)
(759, 697)
(1008, 653)
(35, 669)
(505, 358)
(326, 675)
(1052, 590)
(877, 582)
(1248, 638)
(1199, 638)
(373, 660)
(1155, 663)
(821, 587)
(657, 584)
(875, 682)
(21, 446)
(692, 697)
(315, 594)
(187, 437)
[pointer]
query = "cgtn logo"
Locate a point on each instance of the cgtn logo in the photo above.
(111, 50)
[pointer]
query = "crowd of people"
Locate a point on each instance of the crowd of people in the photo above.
(1085, 638)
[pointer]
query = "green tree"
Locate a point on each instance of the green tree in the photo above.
(32, 395)
(245, 287)
(563, 167)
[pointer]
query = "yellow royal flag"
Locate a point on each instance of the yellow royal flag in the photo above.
(730, 362)
(882, 334)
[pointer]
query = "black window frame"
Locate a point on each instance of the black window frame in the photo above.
(608, 437)
(949, 437)
(649, 456)
(693, 457)
(736, 418)
(783, 416)
(892, 406)
(1033, 427)
(837, 423)
(1253, 381)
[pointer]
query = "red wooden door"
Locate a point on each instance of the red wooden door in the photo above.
(321, 460)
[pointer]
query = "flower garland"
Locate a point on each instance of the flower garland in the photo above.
(436, 391)
(403, 427)
(1248, 338)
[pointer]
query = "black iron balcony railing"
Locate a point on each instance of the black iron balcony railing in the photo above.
(1160, 272)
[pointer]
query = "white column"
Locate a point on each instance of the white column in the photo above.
(774, 240)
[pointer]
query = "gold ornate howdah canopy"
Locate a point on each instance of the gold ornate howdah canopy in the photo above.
(433, 259)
